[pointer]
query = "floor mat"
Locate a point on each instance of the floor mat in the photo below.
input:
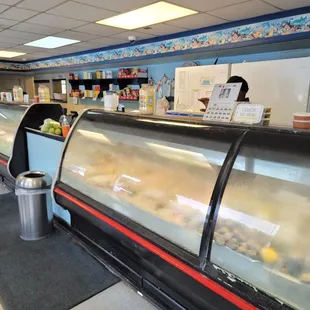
(51, 274)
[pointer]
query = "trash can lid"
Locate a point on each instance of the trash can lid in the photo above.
(34, 180)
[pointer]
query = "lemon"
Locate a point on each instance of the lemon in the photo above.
(269, 255)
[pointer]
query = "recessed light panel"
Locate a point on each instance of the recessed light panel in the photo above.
(51, 42)
(9, 54)
(149, 15)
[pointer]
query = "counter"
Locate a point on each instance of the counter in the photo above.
(198, 214)
(10, 117)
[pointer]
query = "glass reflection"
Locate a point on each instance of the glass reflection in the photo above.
(162, 185)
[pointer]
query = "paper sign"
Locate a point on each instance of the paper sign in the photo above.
(248, 113)
(74, 100)
(26, 98)
(228, 92)
(219, 111)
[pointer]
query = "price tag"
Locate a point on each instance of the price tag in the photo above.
(74, 100)
(248, 113)
(94, 98)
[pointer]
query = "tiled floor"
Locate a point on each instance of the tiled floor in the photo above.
(3, 190)
(118, 297)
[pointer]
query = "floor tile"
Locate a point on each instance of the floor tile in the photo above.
(118, 297)
(3, 190)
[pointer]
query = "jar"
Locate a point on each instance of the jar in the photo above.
(18, 94)
(99, 74)
(146, 99)
(44, 94)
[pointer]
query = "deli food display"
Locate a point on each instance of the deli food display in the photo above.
(10, 116)
(163, 185)
(236, 199)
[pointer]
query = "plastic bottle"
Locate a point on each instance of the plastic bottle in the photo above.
(64, 113)
(18, 94)
(65, 127)
(44, 94)
(146, 99)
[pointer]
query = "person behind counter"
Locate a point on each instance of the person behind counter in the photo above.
(242, 95)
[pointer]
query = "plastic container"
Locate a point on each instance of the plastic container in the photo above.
(111, 101)
(301, 124)
(302, 116)
(99, 74)
(65, 126)
(44, 94)
(18, 94)
(146, 99)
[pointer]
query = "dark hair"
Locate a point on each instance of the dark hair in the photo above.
(239, 79)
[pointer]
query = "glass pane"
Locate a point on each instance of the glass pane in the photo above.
(263, 220)
(9, 121)
(159, 180)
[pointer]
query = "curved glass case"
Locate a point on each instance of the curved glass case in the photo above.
(157, 173)
(10, 116)
(263, 221)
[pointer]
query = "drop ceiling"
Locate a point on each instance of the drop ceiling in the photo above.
(29, 20)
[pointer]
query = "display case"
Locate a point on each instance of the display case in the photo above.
(212, 216)
(10, 116)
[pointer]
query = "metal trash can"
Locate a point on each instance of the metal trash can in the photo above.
(35, 212)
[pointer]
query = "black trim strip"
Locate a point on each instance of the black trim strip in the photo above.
(216, 198)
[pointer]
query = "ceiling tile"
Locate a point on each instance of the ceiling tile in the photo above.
(16, 41)
(207, 5)
(9, 2)
(4, 23)
(20, 35)
(289, 4)
(197, 21)
(162, 29)
(39, 29)
(81, 11)
(105, 41)
(3, 7)
(6, 44)
(244, 10)
(18, 14)
(74, 48)
(118, 5)
(30, 49)
(99, 29)
(138, 35)
(55, 21)
(74, 35)
(39, 5)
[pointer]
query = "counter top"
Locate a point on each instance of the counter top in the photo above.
(47, 135)
(195, 121)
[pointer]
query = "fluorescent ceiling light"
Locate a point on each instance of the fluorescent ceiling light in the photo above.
(51, 42)
(149, 15)
(8, 54)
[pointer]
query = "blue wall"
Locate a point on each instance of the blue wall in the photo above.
(158, 70)
(44, 155)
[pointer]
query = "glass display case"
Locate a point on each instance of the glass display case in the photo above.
(10, 116)
(240, 193)
(263, 221)
(148, 171)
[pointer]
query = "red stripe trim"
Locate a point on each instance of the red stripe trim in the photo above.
(234, 299)
(3, 162)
